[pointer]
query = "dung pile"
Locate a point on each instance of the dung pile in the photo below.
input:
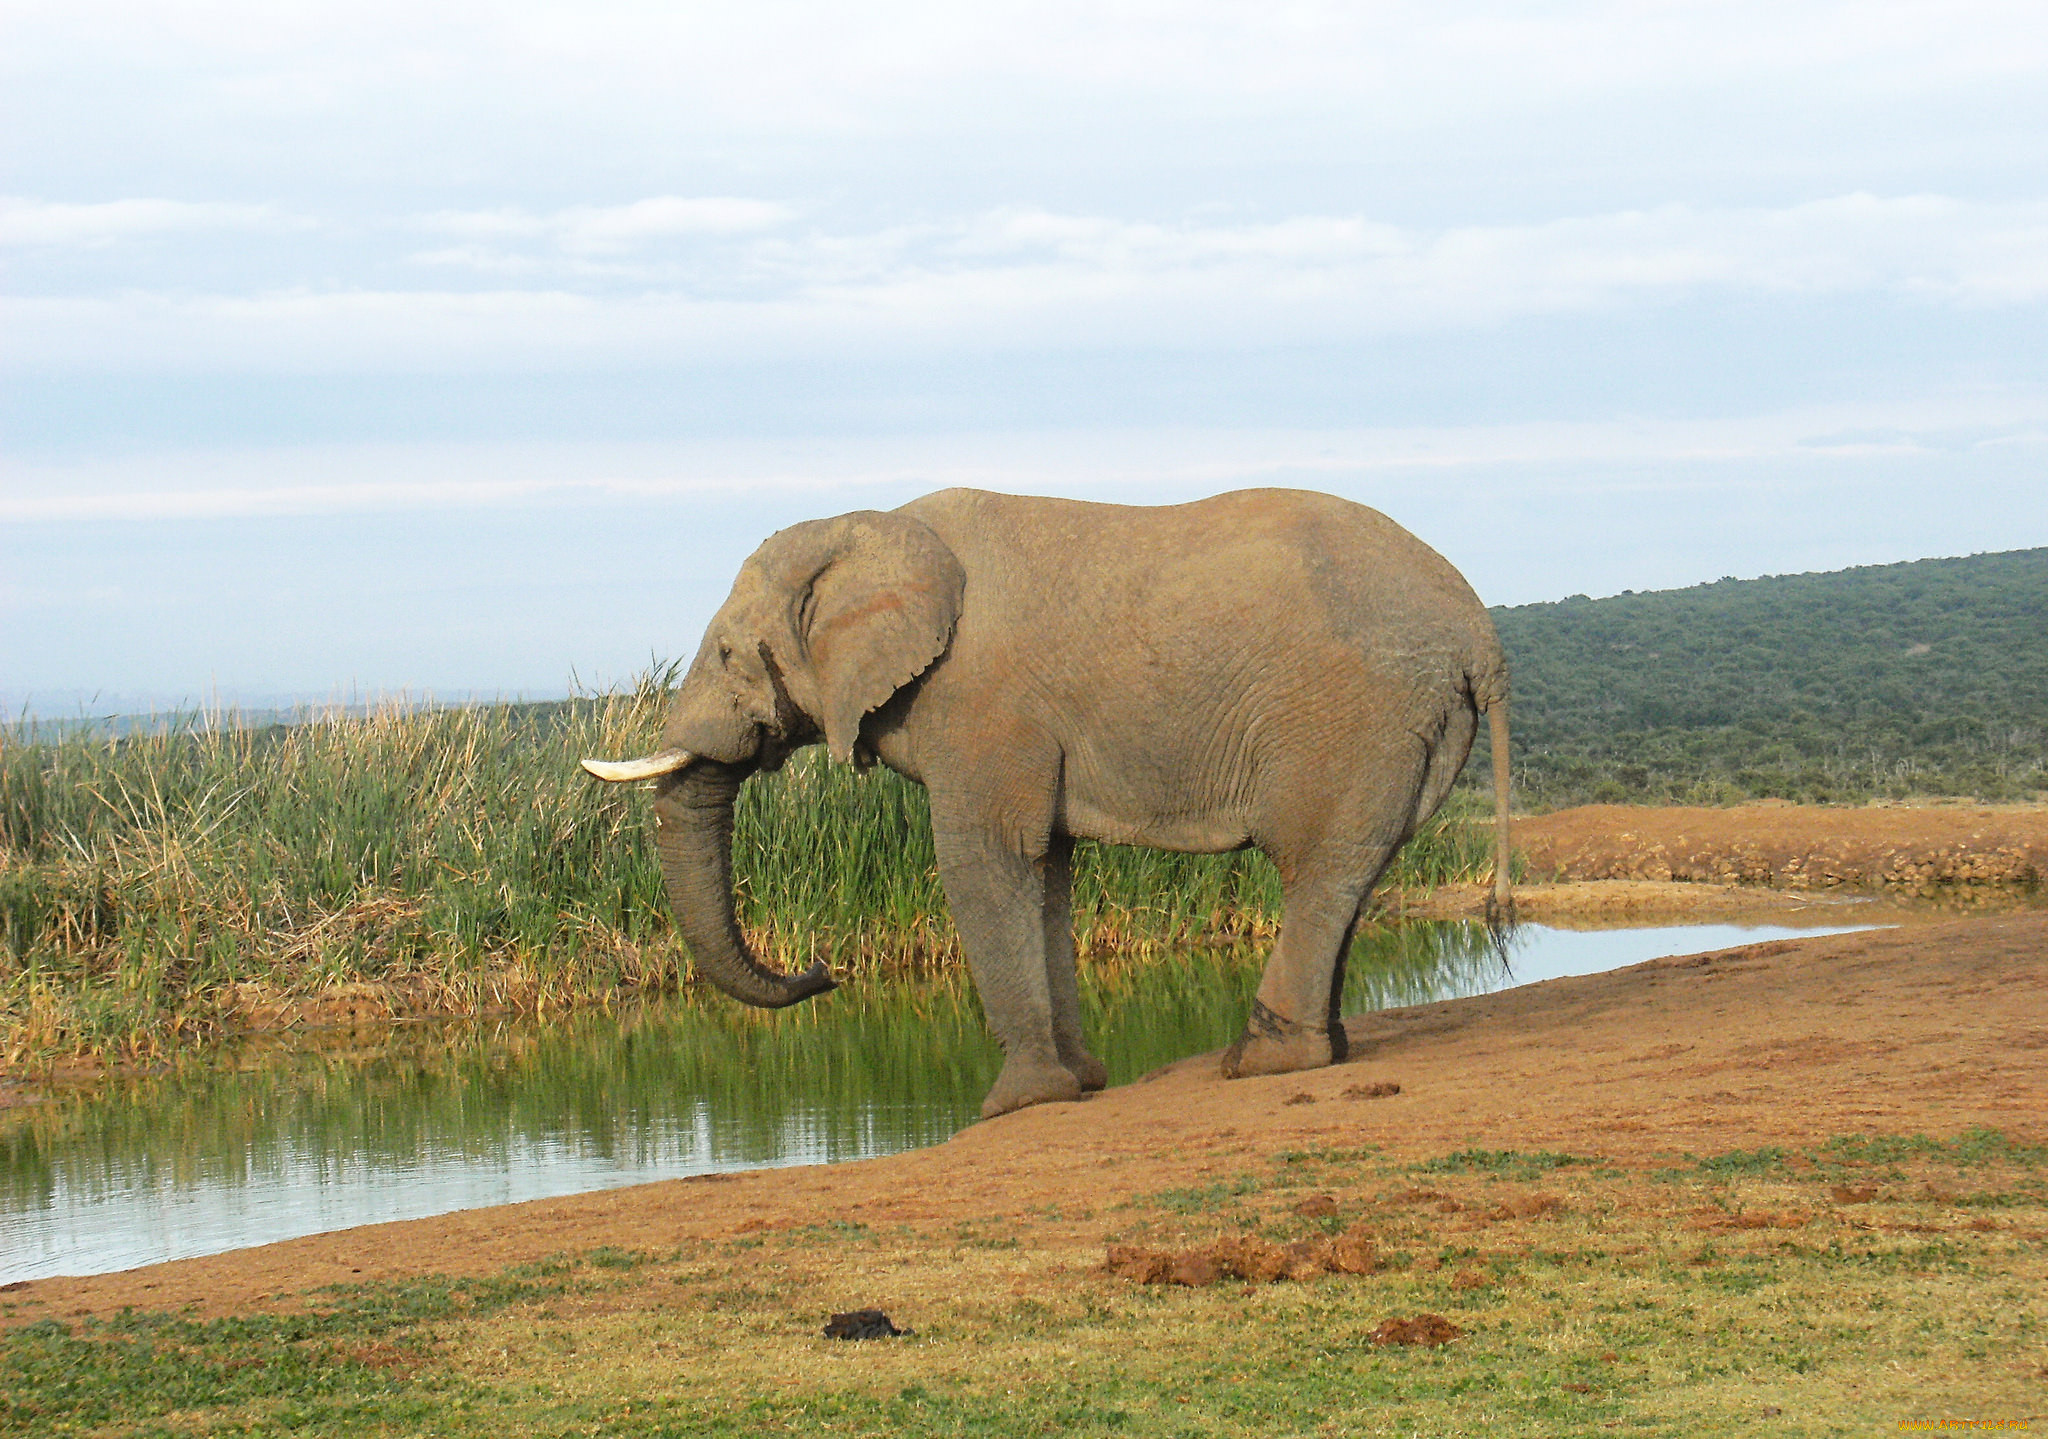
(1430, 1330)
(1247, 1257)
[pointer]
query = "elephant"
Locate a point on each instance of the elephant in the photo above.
(1269, 668)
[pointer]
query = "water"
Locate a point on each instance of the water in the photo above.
(271, 1140)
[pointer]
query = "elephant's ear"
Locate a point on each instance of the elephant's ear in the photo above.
(874, 617)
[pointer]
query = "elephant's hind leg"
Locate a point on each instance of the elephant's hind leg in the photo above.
(1061, 982)
(1295, 1021)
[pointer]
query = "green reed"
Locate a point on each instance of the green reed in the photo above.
(204, 874)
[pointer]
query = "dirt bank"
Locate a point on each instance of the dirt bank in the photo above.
(1931, 1028)
(1635, 903)
(1908, 847)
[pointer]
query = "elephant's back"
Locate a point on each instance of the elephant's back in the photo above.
(1269, 564)
(1392, 596)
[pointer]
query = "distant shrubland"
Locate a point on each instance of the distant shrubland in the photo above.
(1929, 678)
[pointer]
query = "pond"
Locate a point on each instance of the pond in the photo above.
(269, 1140)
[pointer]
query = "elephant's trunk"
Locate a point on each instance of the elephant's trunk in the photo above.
(693, 831)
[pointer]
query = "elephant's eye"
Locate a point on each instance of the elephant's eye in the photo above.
(724, 652)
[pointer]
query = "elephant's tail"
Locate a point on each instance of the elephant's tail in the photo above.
(1500, 904)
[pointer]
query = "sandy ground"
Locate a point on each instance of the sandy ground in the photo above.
(1930, 1028)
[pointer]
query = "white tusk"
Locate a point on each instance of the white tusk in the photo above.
(667, 762)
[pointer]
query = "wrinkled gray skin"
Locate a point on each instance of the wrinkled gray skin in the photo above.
(1271, 668)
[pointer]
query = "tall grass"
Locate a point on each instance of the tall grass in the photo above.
(206, 875)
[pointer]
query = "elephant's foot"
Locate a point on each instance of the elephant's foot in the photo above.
(1272, 1044)
(1092, 1072)
(1024, 1082)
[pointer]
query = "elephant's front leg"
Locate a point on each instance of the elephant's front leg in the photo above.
(1061, 978)
(998, 897)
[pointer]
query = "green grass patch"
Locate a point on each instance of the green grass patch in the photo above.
(1325, 1158)
(1767, 1160)
(1846, 1156)
(1971, 1148)
(347, 1365)
(1502, 1163)
(1206, 1198)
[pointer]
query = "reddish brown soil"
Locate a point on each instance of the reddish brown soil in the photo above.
(1931, 1028)
(1792, 846)
(1630, 903)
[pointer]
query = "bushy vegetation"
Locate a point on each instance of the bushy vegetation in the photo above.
(173, 882)
(1929, 678)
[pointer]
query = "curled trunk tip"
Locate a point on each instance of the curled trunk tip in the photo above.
(815, 980)
(694, 835)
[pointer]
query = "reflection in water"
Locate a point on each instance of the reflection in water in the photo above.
(281, 1138)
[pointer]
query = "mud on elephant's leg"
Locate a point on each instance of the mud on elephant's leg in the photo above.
(1296, 1021)
(1061, 982)
(998, 903)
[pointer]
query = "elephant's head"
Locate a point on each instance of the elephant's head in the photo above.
(826, 622)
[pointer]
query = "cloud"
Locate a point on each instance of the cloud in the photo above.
(268, 482)
(612, 229)
(1635, 455)
(802, 66)
(26, 222)
(1012, 278)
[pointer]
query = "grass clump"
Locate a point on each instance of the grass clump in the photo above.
(1769, 1159)
(1207, 1197)
(200, 876)
(1971, 1148)
(1505, 1163)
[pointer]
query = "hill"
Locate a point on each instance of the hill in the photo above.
(1926, 678)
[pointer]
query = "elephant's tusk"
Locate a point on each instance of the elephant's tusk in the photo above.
(667, 762)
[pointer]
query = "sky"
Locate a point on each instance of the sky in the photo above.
(466, 349)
